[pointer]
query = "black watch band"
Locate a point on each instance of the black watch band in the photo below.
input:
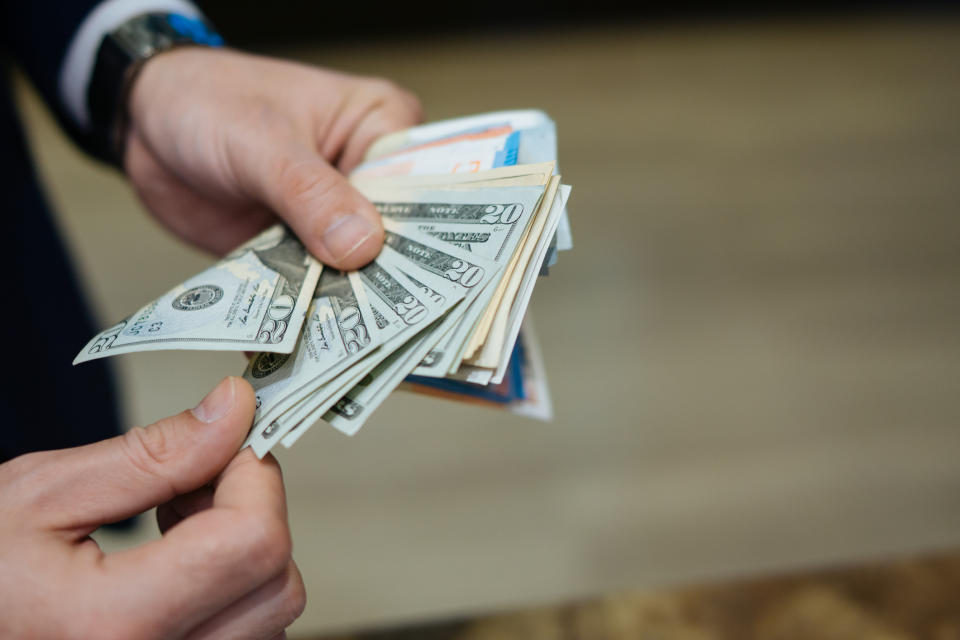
(121, 54)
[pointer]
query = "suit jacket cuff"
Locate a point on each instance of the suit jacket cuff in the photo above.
(78, 62)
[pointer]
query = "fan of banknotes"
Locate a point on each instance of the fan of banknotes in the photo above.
(474, 212)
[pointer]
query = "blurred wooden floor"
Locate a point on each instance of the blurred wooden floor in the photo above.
(753, 349)
(905, 599)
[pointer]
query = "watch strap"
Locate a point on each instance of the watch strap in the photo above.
(121, 55)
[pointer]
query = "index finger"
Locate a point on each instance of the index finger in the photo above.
(212, 558)
(248, 483)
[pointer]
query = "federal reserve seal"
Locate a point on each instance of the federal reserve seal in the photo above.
(206, 295)
(266, 363)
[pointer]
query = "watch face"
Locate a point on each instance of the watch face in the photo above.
(121, 53)
(152, 33)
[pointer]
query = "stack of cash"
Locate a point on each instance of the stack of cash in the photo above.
(474, 212)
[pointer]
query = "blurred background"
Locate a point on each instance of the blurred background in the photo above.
(753, 348)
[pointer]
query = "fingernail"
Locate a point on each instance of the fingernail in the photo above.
(346, 234)
(217, 403)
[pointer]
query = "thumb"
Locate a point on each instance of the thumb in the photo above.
(114, 479)
(332, 219)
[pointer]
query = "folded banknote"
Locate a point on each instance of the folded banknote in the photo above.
(474, 212)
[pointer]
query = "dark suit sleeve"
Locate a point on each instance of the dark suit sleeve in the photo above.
(36, 34)
(82, 406)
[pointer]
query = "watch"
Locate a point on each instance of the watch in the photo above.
(121, 55)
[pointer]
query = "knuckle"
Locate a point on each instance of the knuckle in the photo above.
(415, 107)
(261, 114)
(383, 88)
(387, 93)
(300, 183)
(392, 107)
(296, 599)
(403, 118)
(404, 95)
(149, 451)
(270, 546)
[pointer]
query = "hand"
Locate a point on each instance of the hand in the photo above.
(220, 142)
(221, 570)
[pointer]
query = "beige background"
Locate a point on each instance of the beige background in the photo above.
(753, 349)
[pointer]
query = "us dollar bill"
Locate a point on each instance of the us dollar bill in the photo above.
(506, 329)
(529, 175)
(340, 329)
(463, 271)
(296, 424)
(488, 351)
(352, 410)
(468, 273)
(503, 298)
(400, 308)
(503, 139)
(255, 299)
(489, 223)
(352, 405)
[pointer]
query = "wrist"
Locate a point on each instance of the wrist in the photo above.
(121, 58)
(159, 82)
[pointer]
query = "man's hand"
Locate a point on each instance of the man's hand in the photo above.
(222, 568)
(222, 142)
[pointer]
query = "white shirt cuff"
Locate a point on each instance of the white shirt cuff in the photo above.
(77, 67)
